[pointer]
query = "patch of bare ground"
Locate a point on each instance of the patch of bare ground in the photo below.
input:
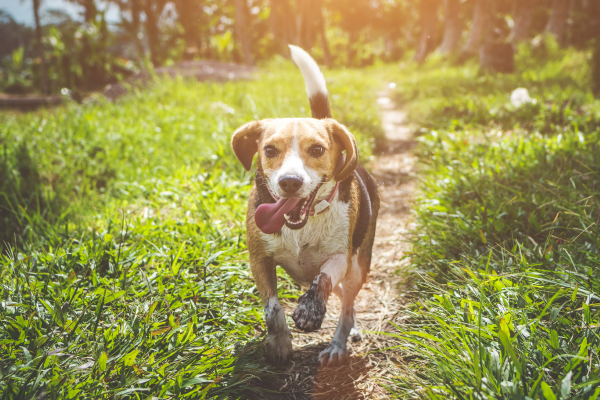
(381, 301)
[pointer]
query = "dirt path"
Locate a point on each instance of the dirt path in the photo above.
(380, 300)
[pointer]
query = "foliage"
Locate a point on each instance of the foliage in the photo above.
(507, 244)
(135, 284)
(77, 57)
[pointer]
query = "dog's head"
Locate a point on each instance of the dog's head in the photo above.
(297, 157)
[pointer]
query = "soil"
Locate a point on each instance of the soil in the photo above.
(380, 303)
(203, 70)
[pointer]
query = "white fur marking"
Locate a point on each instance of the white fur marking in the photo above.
(274, 315)
(313, 78)
(349, 286)
(293, 164)
(302, 252)
(336, 268)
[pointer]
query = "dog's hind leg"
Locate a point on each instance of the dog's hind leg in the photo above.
(336, 353)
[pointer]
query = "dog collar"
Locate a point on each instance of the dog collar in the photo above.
(323, 205)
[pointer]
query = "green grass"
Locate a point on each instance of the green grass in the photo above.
(507, 247)
(123, 267)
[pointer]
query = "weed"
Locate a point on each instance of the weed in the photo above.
(507, 242)
(125, 272)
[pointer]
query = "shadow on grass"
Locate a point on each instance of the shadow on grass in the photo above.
(305, 379)
(23, 204)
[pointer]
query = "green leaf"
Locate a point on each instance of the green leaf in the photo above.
(151, 311)
(194, 381)
(504, 338)
(554, 339)
(114, 296)
(129, 359)
(547, 391)
(175, 266)
(565, 385)
(102, 361)
(535, 386)
(127, 391)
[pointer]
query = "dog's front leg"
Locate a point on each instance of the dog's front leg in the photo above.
(336, 353)
(279, 342)
(312, 305)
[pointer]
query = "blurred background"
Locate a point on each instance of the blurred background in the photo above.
(83, 45)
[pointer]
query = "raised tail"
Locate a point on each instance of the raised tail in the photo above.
(315, 83)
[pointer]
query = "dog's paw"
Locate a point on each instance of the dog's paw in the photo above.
(312, 305)
(333, 355)
(279, 349)
(310, 312)
(355, 335)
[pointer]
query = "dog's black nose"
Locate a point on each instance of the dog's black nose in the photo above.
(290, 184)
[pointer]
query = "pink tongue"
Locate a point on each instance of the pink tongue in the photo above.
(269, 216)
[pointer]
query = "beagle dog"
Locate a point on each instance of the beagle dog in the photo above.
(312, 210)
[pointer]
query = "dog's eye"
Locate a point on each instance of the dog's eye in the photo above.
(270, 151)
(317, 150)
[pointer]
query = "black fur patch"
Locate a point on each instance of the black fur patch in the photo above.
(344, 189)
(312, 305)
(370, 183)
(319, 106)
(264, 196)
(364, 210)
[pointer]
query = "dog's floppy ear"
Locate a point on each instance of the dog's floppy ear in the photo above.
(343, 136)
(244, 142)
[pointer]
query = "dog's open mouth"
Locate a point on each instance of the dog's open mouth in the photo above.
(292, 212)
(297, 217)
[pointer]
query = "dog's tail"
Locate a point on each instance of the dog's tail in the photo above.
(315, 83)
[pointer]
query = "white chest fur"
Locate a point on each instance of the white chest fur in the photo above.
(302, 252)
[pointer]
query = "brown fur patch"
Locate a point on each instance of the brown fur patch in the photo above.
(255, 136)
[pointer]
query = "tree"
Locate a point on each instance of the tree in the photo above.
(132, 25)
(557, 24)
(242, 32)
(90, 9)
(40, 47)
(481, 18)
(429, 21)
(594, 24)
(191, 17)
(452, 27)
(153, 9)
(523, 14)
(320, 20)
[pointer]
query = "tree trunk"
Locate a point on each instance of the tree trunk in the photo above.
(153, 10)
(594, 9)
(428, 24)
(40, 47)
(523, 17)
(497, 57)
(557, 24)
(242, 31)
(135, 29)
(452, 27)
(90, 10)
(481, 17)
(323, 32)
(282, 25)
(190, 15)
